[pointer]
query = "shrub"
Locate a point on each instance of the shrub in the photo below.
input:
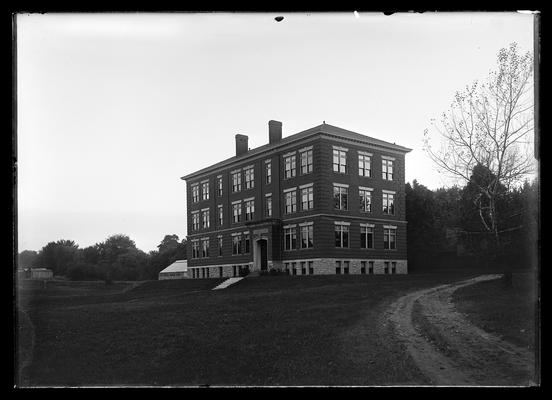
(273, 272)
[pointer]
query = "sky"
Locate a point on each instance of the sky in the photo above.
(112, 109)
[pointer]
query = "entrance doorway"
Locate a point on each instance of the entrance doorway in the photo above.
(262, 254)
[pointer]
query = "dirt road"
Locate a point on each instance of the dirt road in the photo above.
(472, 356)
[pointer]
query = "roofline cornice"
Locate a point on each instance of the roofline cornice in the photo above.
(322, 130)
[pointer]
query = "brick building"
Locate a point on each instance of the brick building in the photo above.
(322, 201)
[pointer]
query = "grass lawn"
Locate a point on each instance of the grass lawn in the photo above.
(313, 330)
(507, 312)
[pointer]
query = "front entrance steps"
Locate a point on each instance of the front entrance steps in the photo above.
(228, 282)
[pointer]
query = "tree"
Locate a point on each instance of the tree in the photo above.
(169, 243)
(487, 127)
(58, 256)
(91, 254)
(129, 265)
(474, 208)
(27, 258)
(110, 252)
(170, 250)
(420, 212)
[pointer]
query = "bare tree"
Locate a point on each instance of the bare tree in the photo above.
(489, 124)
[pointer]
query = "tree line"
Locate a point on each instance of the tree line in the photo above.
(445, 231)
(116, 258)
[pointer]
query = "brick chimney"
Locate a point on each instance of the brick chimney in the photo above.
(241, 144)
(274, 131)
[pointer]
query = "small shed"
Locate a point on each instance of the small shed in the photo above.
(177, 270)
(23, 273)
(41, 273)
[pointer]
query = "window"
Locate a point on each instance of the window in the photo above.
(311, 267)
(306, 162)
(307, 199)
(387, 169)
(386, 267)
(268, 172)
(364, 165)
(195, 221)
(393, 267)
(338, 267)
(363, 267)
(340, 160)
(389, 238)
(306, 236)
(236, 244)
(293, 268)
(367, 237)
(249, 210)
(289, 166)
(205, 218)
(220, 246)
(290, 238)
(249, 178)
(389, 203)
(341, 235)
(370, 267)
(236, 181)
(303, 268)
(234, 270)
(205, 248)
(246, 243)
(340, 197)
(220, 272)
(219, 186)
(220, 215)
(268, 200)
(346, 267)
(205, 190)
(291, 201)
(236, 212)
(195, 193)
(195, 249)
(365, 200)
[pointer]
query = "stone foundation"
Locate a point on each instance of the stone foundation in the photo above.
(327, 266)
(320, 266)
(228, 271)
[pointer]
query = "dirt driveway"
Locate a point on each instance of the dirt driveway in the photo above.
(473, 356)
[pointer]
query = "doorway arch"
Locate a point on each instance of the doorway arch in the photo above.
(261, 254)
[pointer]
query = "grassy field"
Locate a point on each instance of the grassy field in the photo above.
(313, 330)
(507, 312)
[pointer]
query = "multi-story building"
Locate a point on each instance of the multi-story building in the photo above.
(322, 201)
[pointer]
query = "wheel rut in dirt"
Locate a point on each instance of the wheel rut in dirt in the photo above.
(476, 357)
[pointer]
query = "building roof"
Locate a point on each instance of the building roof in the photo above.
(177, 266)
(320, 129)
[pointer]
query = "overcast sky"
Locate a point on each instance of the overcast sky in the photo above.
(114, 108)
